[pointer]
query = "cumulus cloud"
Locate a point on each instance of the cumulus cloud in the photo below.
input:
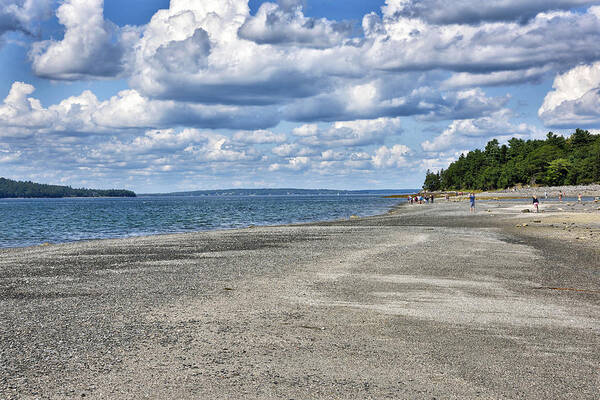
(380, 98)
(575, 100)
(306, 130)
(497, 78)
(20, 111)
(391, 157)
(293, 164)
(351, 133)
(216, 62)
(91, 47)
(259, 137)
(470, 133)
(125, 111)
(129, 109)
(190, 144)
(474, 12)
(556, 38)
(7, 156)
(22, 15)
(286, 25)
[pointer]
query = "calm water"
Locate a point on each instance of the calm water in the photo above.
(27, 222)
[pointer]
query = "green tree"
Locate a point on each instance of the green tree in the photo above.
(553, 161)
(432, 181)
(557, 172)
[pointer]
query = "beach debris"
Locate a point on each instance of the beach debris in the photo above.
(524, 225)
(316, 328)
(537, 221)
(45, 244)
(228, 288)
(354, 217)
(527, 210)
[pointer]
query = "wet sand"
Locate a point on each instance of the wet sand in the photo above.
(426, 302)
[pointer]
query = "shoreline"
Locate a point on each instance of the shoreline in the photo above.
(423, 301)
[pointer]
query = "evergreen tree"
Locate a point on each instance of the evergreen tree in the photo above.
(553, 161)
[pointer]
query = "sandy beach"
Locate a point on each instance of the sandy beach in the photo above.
(427, 301)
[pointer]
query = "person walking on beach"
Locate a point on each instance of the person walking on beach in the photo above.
(472, 200)
(579, 197)
(560, 196)
(536, 203)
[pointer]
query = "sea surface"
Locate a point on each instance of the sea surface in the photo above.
(30, 222)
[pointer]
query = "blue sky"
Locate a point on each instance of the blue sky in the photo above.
(157, 96)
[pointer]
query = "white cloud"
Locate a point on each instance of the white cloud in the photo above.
(469, 133)
(288, 26)
(391, 157)
(22, 15)
(19, 110)
(125, 111)
(353, 133)
(407, 94)
(553, 38)
(232, 70)
(286, 149)
(159, 141)
(91, 47)
(188, 145)
(259, 137)
(575, 100)
(474, 12)
(7, 156)
(306, 130)
(217, 149)
(497, 78)
(293, 164)
(330, 155)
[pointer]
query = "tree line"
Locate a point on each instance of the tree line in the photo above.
(554, 161)
(18, 189)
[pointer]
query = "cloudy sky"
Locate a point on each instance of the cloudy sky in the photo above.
(158, 96)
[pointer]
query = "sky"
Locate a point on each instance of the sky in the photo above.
(162, 96)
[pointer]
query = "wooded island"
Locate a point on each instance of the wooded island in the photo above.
(19, 189)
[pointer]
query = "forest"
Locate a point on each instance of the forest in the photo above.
(554, 161)
(18, 189)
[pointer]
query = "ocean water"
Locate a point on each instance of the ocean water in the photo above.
(29, 222)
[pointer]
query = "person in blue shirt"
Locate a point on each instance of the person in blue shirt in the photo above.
(472, 200)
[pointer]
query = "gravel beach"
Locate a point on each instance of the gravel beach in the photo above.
(427, 301)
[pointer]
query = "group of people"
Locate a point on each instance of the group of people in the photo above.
(420, 199)
(563, 195)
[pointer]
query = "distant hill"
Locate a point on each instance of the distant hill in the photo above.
(18, 189)
(282, 192)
